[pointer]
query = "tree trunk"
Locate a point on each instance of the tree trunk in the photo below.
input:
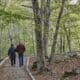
(0, 45)
(10, 37)
(56, 32)
(45, 12)
(69, 40)
(33, 39)
(46, 26)
(61, 43)
(68, 35)
(38, 31)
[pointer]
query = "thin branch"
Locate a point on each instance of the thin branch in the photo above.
(27, 6)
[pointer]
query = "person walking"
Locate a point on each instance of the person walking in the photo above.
(12, 55)
(20, 49)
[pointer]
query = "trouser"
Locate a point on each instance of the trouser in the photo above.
(21, 60)
(13, 60)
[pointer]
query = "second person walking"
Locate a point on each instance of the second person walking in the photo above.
(20, 48)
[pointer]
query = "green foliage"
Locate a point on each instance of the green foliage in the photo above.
(17, 20)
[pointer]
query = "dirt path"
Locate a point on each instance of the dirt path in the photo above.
(13, 73)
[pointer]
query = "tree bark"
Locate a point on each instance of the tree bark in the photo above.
(46, 26)
(38, 31)
(69, 40)
(56, 32)
(68, 35)
(61, 43)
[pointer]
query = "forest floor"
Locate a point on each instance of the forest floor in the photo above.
(7, 72)
(64, 68)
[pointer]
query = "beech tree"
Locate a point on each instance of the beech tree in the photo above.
(56, 32)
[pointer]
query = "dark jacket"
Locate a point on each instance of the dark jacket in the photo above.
(11, 52)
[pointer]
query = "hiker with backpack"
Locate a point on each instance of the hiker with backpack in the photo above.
(20, 49)
(12, 55)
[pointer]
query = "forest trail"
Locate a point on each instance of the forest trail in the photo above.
(13, 73)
